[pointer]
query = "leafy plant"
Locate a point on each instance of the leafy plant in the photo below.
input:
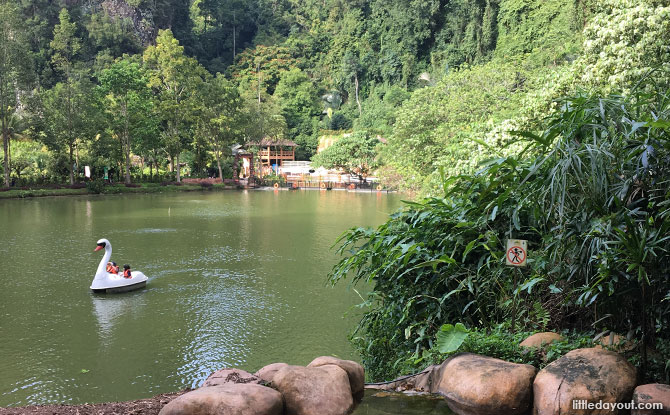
(450, 337)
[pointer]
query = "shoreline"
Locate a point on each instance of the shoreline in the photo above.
(146, 406)
(28, 192)
(144, 188)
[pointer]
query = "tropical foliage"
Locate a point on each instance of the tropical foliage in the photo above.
(589, 194)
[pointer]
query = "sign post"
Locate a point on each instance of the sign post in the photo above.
(515, 256)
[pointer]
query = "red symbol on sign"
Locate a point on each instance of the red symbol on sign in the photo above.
(516, 255)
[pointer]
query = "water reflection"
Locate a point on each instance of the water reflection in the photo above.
(386, 403)
(111, 309)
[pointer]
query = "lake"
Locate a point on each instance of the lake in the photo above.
(236, 279)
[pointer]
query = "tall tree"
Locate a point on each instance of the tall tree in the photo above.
(299, 100)
(13, 66)
(175, 78)
(128, 102)
(70, 116)
(66, 45)
(219, 116)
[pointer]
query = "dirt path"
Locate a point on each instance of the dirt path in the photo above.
(150, 406)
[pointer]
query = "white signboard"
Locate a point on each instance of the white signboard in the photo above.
(517, 252)
(87, 171)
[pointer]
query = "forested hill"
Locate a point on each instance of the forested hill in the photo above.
(384, 41)
(442, 83)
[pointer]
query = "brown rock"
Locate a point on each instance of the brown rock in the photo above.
(223, 376)
(480, 385)
(354, 370)
(541, 339)
(322, 390)
(228, 399)
(649, 394)
(268, 372)
(590, 375)
(614, 342)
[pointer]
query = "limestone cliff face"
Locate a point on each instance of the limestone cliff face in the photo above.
(142, 16)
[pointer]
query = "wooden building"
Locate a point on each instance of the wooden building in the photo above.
(271, 152)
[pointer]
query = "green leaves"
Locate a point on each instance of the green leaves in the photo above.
(450, 337)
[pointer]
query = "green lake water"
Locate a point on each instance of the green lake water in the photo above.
(236, 279)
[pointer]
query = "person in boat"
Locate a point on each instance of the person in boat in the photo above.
(112, 268)
(126, 271)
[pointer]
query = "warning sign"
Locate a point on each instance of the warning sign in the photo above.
(516, 252)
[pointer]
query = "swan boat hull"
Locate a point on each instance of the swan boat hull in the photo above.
(113, 283)
(121, 289)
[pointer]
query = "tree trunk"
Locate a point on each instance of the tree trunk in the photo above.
(126, 151)
(178, 170)
(218, 163)
(126, 141)
(71, 162)
(5, 146)
(358, 102)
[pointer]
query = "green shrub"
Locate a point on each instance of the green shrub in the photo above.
(95, 186)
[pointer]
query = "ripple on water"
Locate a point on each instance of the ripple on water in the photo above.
(153, 230)
(227, 311)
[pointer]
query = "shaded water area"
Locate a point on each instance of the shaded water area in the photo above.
(236, 279)
(384, 403)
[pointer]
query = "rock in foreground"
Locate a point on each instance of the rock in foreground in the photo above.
(653, 393)
(591, 375)
(320, 390)
(480, 385)
(228, 399)
(230, 376)
(354, 370)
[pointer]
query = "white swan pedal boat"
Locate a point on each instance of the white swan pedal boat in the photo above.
(105, 282)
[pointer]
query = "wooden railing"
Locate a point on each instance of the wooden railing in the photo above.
(276, 154)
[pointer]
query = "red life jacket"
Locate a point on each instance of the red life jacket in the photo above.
(126, 273)
(110, 268)
(115, 269)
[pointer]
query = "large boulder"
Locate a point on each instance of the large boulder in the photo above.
(540, 340)
(322, 390)
(224, 376)
(354, 370)
(267, 373)
(228, 399)
(480, 385)
(654, 393)
(589, 375)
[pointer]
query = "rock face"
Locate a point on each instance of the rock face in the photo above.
(583, 374)
(541, 339)
(322, 390)
(228, 399)
(480, 385)
(653, 393)
(267, 373)
(355, 372)
(232, 376)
